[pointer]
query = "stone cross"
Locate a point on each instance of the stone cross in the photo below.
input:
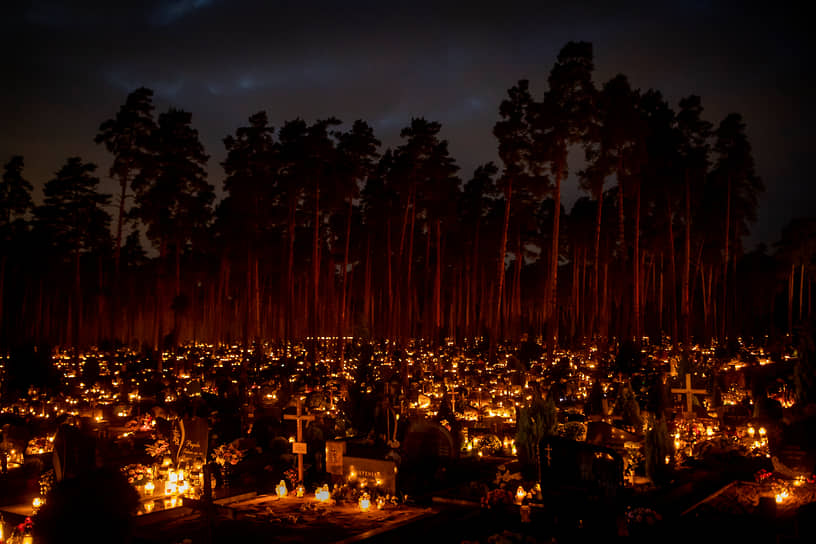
(548, 449)
(689, 393)
(299, 417)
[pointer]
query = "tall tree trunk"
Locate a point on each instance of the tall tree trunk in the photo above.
(621, 238)
(408, 283)
(685, 303)
(508, 195)
(790, 298)
(4, 339)
(290, 277)
(390, 300)
(706, 299)
(726, 247)
(438, 280)
(342, 327)
(552, 341)
(77, 304)
(660, 300)
(368, 319)
(575, 310)
(636, 271)
(315, 275)
(515, 321)
(672, 275)
(402, 289)
(474, 281)
(596, 301)
(256, 329)
(801, 289)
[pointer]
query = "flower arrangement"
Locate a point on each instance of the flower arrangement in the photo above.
(503, 475)
(632, 460)
(227, 454)
(641, 516)
(137, 474)
(291, 476)
(497, 497)
(46, 482)
(143, 423)
(158, 448)
(40, 444)
(762, 475)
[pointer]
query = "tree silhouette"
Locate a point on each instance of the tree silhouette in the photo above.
(358, 153)
(245, 212)
(126, 136)
(694, 150)
(737, 186)
(320, 236)
(423, 172)
(173, 197)
(515, 151)
(796, 251)
(15, 203)
(73, 219)
(562, 119)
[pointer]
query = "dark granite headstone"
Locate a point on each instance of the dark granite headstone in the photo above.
(74, 452)
(196, 438)
(425, 439)
(578, 464)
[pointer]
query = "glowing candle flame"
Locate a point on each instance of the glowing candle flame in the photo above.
(322, 494)
(365, 503)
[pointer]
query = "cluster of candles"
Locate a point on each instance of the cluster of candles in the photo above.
(321, 494)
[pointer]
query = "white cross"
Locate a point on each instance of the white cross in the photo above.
(300, 417)
(689, 393)
(548, 449)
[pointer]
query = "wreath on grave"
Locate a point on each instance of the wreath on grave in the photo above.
(227, 454)
(490, 444)
(641, 517)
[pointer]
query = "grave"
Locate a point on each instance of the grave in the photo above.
(381, 473)
(566, 463)
(427, 450)
(601, 433)
(262, 518)
(428, 439)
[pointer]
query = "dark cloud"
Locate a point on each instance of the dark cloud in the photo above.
(68, 66)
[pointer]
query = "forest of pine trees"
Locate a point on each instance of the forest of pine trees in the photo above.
(322, 232)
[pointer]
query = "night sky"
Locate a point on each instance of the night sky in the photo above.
(67, 66)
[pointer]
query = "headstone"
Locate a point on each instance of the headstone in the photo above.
(376, 472)
(578, 464)
(196, 437)
(335, 451)
(74, 452)
(428, 439)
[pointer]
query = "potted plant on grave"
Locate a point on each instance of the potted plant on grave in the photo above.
(137, 475)
(227, 456)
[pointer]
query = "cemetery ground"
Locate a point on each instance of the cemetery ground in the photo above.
(441, 450)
